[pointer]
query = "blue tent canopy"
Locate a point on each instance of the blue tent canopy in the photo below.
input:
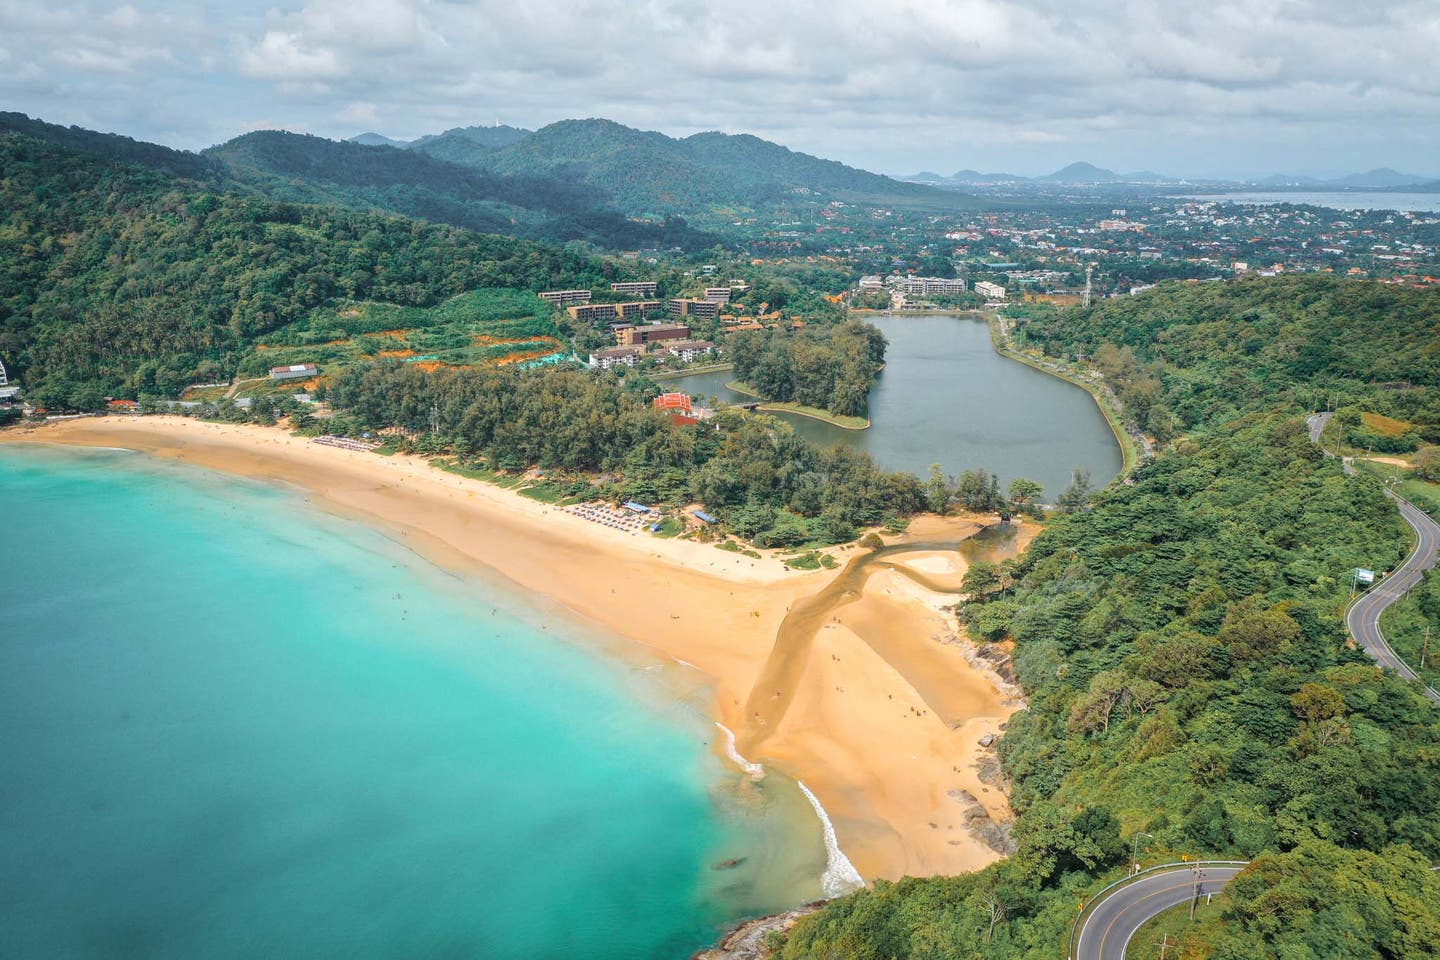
(704, 516)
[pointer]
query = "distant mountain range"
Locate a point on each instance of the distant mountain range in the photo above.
(643, 172)
(592, 180)
(1087, 174)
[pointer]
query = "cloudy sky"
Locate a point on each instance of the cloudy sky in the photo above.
(1230, 87)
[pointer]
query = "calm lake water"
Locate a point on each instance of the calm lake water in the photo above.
(236, 727)
(1343, 200)
(947, 397)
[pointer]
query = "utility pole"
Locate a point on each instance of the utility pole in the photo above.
(1089, 271)
(1425, 647)
(1135, 852)
(1195, 892)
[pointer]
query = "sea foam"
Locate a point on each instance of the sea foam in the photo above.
(840, 876)
(753, 769)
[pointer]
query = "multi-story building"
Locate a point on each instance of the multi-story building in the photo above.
(614, 356)
(636, 288)
(871, 283)
(688, 350)
(704, 309)
(596, 312)
(990, 291)
(564, 298)
(930, 286)
(717, 294)
(651, 332)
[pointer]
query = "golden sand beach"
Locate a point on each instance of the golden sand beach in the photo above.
(851, 682)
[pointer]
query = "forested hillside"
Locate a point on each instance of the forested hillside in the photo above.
(118, 279)
(1183, 652)
(296, 168)
(307, 169)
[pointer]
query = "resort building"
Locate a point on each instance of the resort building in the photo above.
(635, 288)
(296, 371)
(688, 350)
(9, 394)
(870, 283)
(930, 286)
(564, 298)
(614, 356)
(596, 312)
(717, 294)
(704, 309)
(990, 291)
(649, 333)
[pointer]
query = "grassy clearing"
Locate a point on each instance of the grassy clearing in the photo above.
(811, 560)
(815, 413)
(1386, 426)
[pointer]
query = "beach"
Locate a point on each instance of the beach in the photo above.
(852, 682)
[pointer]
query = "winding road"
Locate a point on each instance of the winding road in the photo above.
(1113, 920)
(1108, 922)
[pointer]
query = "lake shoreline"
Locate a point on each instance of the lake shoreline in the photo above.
(861, 716)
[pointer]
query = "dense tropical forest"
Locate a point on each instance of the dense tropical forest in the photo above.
(1183, 653)
(294, 168)
(769, 485)
(121, 280)
(829, 367)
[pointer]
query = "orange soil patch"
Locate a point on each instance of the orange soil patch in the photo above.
(1386, 426)
(397, 334)
(508, 359)
(398, 354)
(431, 365)
(313, 384)
(261, 346)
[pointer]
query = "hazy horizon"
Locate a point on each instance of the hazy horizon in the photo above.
(1235, 90)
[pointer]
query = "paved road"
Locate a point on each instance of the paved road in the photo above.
(1111, 924)
(1364, 616)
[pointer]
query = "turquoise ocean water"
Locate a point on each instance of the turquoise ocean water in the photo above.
(234, 726)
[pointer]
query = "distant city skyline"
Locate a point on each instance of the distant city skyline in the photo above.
(1232, 89)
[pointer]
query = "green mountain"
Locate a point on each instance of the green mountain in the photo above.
(302, 168)
(491, 138)
(647, 172)
(121, 278)
(306, 169)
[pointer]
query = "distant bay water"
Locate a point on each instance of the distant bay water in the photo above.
(1335, 200)
(234, 726)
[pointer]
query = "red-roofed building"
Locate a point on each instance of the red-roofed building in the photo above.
(678, 407)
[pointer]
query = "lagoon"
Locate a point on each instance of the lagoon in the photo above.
(945, 396)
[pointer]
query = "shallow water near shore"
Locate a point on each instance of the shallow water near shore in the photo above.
(237, 726)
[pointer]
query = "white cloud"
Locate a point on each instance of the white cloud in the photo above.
(851, 78)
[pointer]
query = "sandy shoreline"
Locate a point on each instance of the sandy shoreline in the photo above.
(877, 711)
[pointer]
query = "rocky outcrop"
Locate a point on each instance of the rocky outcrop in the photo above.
(747, 941)
(980, 825)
